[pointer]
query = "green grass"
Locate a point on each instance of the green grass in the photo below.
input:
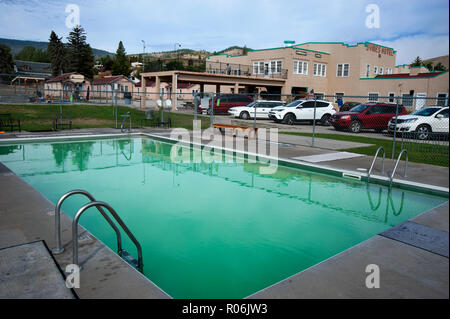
(40, 116)
(417, 152)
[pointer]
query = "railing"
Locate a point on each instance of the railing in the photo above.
(396, 164)
(98, 204)
(245, 70)
(93, 202)
(127, 115)
(381, 148)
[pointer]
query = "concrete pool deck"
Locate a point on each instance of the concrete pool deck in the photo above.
(407, 270)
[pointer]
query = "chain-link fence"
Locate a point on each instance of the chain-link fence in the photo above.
(415, 123)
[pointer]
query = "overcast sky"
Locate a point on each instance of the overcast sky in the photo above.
(412, 27)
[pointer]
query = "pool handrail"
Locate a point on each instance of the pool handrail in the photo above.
(128, 114)
(99, 204)
(396, 164)
(59, 249)
(381, 148)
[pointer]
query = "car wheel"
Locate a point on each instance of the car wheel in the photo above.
(423, 132)
(325, 120)
(244, 115)
(289, 119)
(355, 126)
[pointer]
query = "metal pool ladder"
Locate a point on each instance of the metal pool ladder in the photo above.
(99, 205)
(396, 164)
(125, 116)
(381, 148)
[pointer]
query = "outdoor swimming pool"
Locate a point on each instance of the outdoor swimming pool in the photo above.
(218, 230)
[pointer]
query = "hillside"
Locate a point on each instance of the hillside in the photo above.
(17, 45)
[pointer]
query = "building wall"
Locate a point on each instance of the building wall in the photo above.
(358, 82)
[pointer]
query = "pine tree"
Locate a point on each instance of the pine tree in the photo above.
(417, 62)
(79, 54)
(121, 65)
(57, 54)
(6, 60)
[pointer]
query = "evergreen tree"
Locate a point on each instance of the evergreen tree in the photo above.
(30, 53)
(440, 67)
(57, 54)
(6, 60)
(417, 62)
(121, 65)
(79, 54)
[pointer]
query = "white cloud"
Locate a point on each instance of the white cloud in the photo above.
(216, 24)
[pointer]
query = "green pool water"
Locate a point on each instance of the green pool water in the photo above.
(218, 230)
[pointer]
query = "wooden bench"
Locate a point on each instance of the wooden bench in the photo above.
(7, 122)
(234, 128)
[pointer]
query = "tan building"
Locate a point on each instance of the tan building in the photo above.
(102, 88)
(67, 84)
(331, 68)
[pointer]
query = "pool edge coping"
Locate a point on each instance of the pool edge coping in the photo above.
(302, 164)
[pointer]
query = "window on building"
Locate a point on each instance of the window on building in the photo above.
(258, 67)
(407, 100)
(381, 70)
(367, 70)
(373, 97)
(275, 67)
(391, 97)
(343, 70)
(375, 70)
(319, 96)
(339, 96)
(300, 67)
(320, 69)
(442, 99)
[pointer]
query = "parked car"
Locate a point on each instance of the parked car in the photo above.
(262, 108)
(374, 116)
(423, 123)
(347, 106)
(227, 101)
(303, 110)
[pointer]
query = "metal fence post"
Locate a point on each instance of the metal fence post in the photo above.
(254, 117)
(314, 121)
(395, 130)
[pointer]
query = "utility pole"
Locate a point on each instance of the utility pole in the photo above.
(143, 55)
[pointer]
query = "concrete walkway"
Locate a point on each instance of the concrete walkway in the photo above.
(413, 268)
(28, 271)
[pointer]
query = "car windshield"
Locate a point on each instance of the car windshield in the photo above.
(359, 108)
(295, 103)
(251, 104)
(426, 111)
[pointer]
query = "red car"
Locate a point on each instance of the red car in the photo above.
(374, 116)
(227, 101)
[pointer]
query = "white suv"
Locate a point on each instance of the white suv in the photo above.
(303, 110)
(423, 122)
(262, 109)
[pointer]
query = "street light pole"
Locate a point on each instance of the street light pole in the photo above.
(176, 46)
(143, 54)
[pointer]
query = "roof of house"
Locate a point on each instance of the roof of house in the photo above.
(29, 68)
(109, 79)
(147, 84)
(61, 78)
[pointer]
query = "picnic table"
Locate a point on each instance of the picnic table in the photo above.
(8, 122)
(234, 128)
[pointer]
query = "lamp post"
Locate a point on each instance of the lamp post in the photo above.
(143, 54)
(176, 47)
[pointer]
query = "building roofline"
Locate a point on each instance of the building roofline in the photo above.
(350, 45)
(407, 77)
